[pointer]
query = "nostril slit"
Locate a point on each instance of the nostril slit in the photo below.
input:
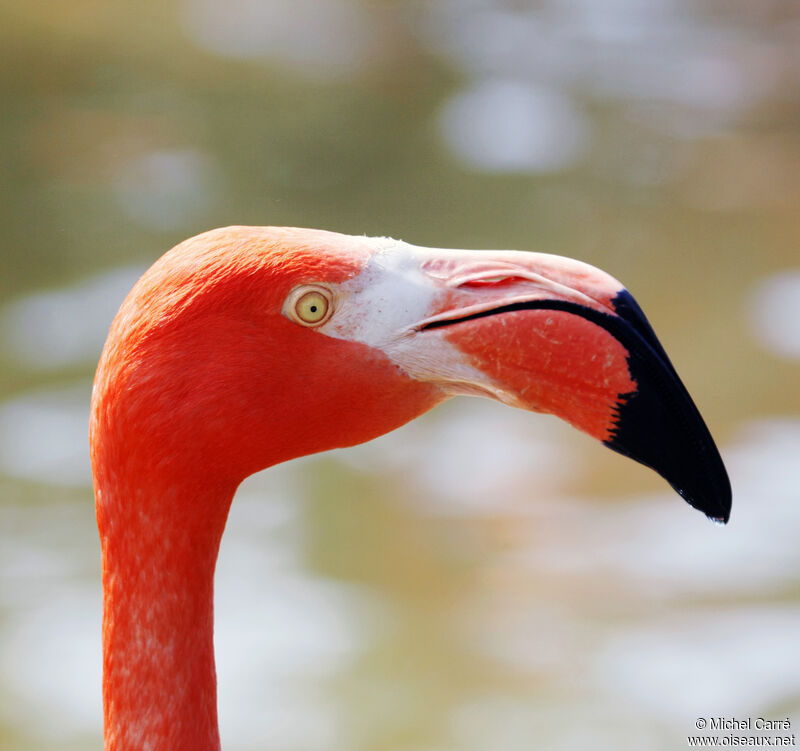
(493, 281)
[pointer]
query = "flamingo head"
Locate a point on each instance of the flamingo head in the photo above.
(246, 346)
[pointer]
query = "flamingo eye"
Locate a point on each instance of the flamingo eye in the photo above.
(310, 306)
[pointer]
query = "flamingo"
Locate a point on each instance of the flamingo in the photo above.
(244, 347)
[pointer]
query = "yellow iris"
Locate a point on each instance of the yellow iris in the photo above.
(312, 307)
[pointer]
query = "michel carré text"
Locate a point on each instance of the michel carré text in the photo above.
(749, 723)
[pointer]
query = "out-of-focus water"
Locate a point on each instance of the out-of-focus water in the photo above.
(482, 578)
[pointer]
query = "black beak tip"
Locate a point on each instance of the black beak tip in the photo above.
(714, 500)
(683, 454)
(659, 424)
(717, 509)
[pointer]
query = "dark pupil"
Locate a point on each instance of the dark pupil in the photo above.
(313, 308)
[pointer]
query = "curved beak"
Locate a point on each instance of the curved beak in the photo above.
(554, 335)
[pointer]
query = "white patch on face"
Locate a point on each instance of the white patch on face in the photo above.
(389, 295)
(381, 305)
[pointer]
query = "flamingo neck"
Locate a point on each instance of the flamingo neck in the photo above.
(159, 553)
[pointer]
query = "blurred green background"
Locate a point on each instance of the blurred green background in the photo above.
(482, 579)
